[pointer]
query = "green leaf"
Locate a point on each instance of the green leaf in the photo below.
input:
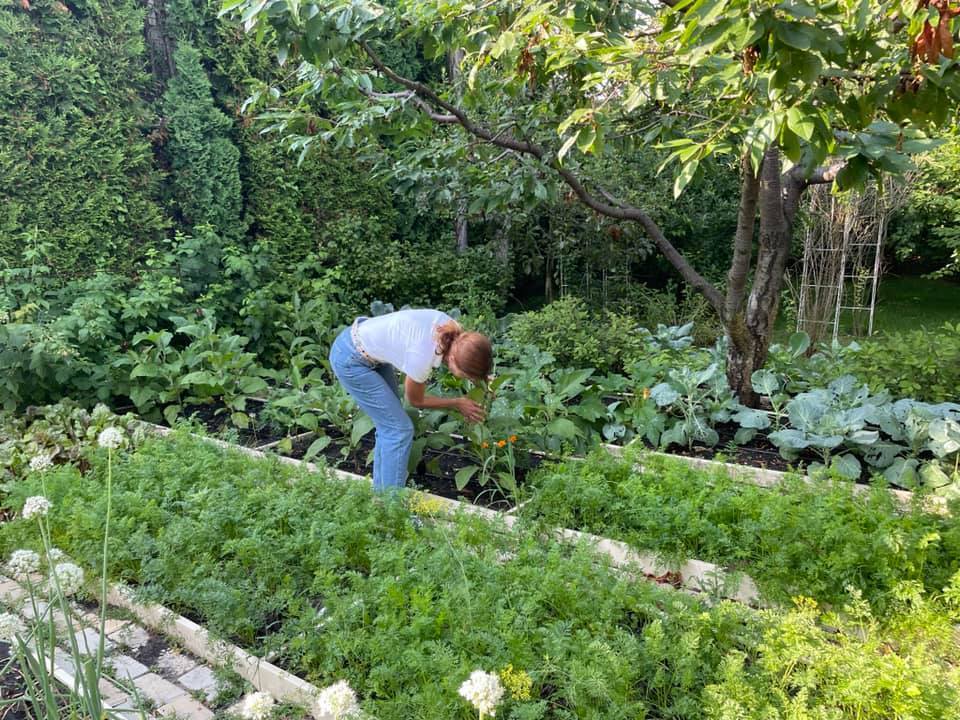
(765, 382)
(171, 413)
(854, 173)
(676, 435)
(570, 383)
(240, 420)
(287, 401)
(362, 424)
(565, 148)
(933, 476)
(921, 145)
(506, 42)
(464, 475)
(683, 179)
(790, 439)
(902, 472)
(663, 394)
(251, 385)
(586, 138)
(634, 99)
(799, 342)
(317, 447)
(798, 9)
(751, 418)
(795, 35)
(574, 118)
(759, 137)
(144, 370)
(846, 466)
(800, 123)
(200, 377)
(563, 428)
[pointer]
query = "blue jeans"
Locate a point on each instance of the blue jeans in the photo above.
(374, 387)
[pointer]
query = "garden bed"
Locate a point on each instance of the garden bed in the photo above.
(807, 537)
(768, 478)
(216, 419)
(435, 473)
(12, 687)
(759, 453)
(376, 564)
(409, 606)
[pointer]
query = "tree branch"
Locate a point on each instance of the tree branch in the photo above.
(794, 183)
(621, 211)
(826, 175)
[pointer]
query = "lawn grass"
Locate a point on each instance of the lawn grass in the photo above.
(904, 303)
(911, 303)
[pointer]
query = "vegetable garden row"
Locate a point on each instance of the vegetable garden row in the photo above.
(675, 397)
(337, 584)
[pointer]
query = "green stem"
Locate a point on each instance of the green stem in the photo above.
(103, 582)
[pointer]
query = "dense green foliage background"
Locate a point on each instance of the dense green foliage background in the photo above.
(135, 204)
(76, 165)
(100, 162)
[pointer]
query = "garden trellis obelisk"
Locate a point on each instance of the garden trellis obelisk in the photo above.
(842, 259)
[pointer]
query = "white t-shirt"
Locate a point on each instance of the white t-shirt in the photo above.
(406, 339)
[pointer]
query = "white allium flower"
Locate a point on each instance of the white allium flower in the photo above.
(39, 463)
(110, 438)
(482, 690)
(10, 627)
(36, 505)
(257, 706)
(337, 701)
(56, 555)
(23, 563)
(69, 576)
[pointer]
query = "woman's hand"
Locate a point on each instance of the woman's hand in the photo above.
(470, 409)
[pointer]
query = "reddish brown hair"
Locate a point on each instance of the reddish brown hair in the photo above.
(472, 351)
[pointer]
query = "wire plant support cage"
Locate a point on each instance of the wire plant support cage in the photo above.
(843, 257)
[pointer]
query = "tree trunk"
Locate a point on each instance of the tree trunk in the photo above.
(751, 329)
(159, 44)
(454, 58)
(502, 244)
(548, 278)
(462, 227)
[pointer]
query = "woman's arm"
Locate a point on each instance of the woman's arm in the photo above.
(416, 396)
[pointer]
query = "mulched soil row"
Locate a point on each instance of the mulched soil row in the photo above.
(434, 473)
(758, 453)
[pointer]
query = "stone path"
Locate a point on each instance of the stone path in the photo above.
(142, 669)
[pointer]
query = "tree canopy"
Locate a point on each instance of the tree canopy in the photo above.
(798, 92)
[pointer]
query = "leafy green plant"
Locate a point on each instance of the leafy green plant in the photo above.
(861, 670)
(634, 414)
(557, 410)
(577, 336)
(210, 366)
(57, 434)
(826, 419)
(699, 399)
(339, 584)
(296, 563)
(35, 651)
(798, 539)
(922, 364)
(496, 461)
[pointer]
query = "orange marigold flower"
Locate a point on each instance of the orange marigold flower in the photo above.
(513, 438)
(501, 443)
(485, 444)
